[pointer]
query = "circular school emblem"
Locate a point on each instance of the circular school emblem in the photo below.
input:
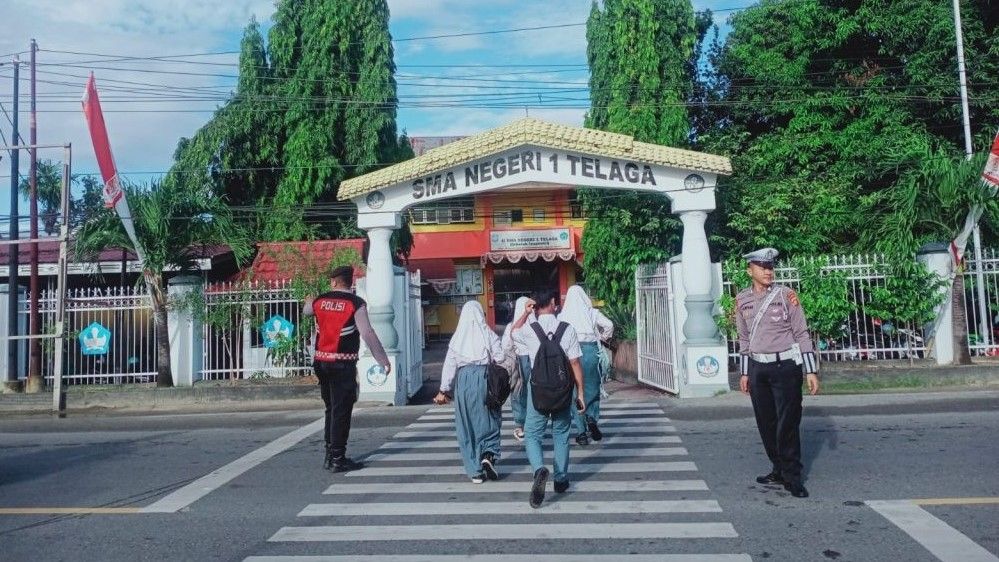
(376, 375)
(693, 183)
(707, 366)
(375, 199)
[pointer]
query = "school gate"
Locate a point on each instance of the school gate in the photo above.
(670, 356)
(531, 155)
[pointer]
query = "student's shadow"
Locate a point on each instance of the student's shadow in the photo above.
(818, 434)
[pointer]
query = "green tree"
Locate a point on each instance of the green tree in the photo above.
(908, 296)
(314, 105)
(810, 113)
(929, 202)
(171, 223)
(49, 189)
(641, 56)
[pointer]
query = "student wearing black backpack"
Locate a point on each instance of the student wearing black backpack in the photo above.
(463, 378)
(555, 372)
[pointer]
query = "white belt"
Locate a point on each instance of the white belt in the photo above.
(771, 357)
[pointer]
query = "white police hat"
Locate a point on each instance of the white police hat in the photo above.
(762, 256)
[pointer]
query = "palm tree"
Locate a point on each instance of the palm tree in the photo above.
(928, 203)
(49, 189)
(171, 223)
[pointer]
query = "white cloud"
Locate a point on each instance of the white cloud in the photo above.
(142, 141)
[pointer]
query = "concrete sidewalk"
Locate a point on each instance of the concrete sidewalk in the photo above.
(303, 393)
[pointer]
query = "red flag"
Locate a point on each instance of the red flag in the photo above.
(114, 197)
(990, 177)
(991, 174)
(102, 146)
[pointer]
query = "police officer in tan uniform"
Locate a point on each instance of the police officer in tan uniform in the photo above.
(776, 353)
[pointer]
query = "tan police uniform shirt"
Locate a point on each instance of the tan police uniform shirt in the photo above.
(782, 325)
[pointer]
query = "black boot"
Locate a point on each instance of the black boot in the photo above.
(345, 464)
(328, 461)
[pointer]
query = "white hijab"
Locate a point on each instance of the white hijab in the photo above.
(578, 312)
(518, 310)
(472, 338)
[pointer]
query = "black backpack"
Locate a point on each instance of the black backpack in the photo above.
(497, 384)
(551, 378)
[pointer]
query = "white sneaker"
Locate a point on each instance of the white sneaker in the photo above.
(478, 479)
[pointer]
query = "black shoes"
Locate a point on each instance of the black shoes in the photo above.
(487, 466)
(582, 439)
(328, 460)
(772, 478)
(796, 488)
(595, 433)
(344, 464)
(561, 487)
(538, 488)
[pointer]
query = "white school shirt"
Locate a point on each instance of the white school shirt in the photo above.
(549, 323)
(600, 323)
(452, 362)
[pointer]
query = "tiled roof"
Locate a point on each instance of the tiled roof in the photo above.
(48, 252)
(279, 261)
(531, 131)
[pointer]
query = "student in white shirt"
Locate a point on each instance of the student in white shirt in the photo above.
(522, 370)
(592, 327)
(464, 377)
(536, 422)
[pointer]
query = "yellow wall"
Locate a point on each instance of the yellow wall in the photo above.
(447, 314)
(527, 202)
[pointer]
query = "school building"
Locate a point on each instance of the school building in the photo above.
(493, 247)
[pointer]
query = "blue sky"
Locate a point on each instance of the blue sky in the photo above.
(145, 128)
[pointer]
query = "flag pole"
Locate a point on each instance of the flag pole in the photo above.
(962, 74)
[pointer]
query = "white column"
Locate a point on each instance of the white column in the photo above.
(186, 333)
(937, 259)
(380, 285)
(700, 327)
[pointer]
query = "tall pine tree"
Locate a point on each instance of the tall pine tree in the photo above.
(640, 54)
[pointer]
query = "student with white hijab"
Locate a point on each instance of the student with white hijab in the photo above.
(464, 378)
(591, 327)
(521, 374)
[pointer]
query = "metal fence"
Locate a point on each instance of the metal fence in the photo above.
(111, 336)
(862, 336)
(653, 313)
(245, 327)
(981, 295)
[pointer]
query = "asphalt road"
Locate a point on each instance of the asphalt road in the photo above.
(635, 493)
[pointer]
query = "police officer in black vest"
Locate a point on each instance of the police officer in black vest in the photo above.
(341, 322)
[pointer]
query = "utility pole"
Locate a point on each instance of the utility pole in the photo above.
(35, 383)
(12, 262)
(962, 74)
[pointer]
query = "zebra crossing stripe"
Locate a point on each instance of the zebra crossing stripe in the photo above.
(562, 531)
(574, 468)
(579, 453)
(508, 508)
(603, 414)
(641, 486)
(604, 406)
(449, 430)
(509, 558)
(643, 422)
(609, 440)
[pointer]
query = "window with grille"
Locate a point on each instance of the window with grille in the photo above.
(451, 211)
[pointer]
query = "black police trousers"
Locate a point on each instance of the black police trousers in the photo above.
(338, 385)
(775, 389)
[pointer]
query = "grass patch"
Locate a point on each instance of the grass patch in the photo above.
(881, 384)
